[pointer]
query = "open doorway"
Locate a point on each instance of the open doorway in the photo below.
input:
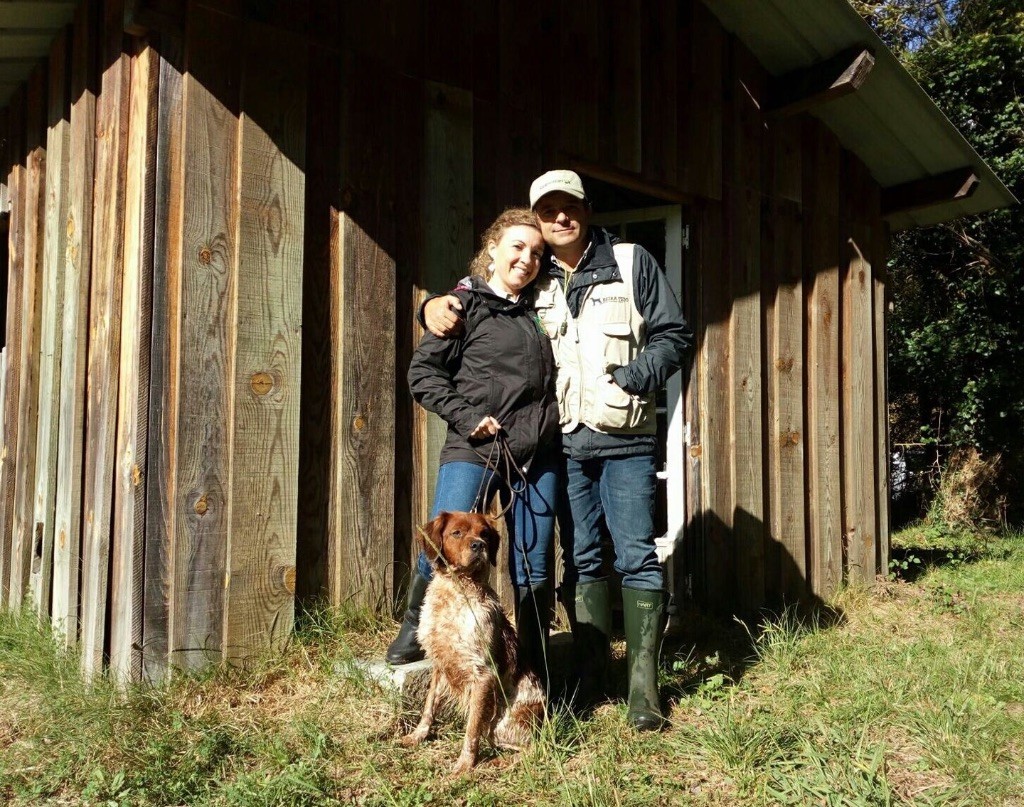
(661, 231)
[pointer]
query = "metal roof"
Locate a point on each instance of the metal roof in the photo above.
(27, 27)
(890, 123)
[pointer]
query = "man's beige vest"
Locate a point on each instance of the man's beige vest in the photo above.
(608, 333)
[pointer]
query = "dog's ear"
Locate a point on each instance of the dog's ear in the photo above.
(432, 536)
(493, 541)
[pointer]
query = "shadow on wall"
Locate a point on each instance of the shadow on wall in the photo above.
(739, 570)
(714, 636)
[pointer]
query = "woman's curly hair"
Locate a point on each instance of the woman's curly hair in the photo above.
(510, 217)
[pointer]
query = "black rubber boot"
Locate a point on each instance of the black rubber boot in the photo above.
(406, 649)
(533, 622)
(642, 613)
(590, 616)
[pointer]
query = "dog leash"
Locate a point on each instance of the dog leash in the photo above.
(518, 485)
(501, 463)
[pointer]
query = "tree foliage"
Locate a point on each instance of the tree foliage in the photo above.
(905, 25)
(957, 330)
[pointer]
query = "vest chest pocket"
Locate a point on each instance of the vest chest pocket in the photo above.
(610, 310)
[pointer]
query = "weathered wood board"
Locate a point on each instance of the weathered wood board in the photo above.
(58, 139)
(74, 325)
(260, 584)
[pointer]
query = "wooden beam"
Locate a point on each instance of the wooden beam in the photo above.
(960, 183)
(808, 87)
(629, 181)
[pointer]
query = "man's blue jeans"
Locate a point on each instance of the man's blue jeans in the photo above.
(619, 490)
(531, 520)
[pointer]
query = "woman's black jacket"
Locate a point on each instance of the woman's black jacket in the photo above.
(501, 365)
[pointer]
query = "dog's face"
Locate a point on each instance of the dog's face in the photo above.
(462, 541)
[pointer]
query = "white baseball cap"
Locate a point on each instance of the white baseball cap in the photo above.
(560, 180)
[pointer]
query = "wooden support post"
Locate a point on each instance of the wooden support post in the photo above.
(820, 83)
(785, 348)
(26, 540)
(267, 324)
(446, 239)
(715, 404)
(133, 397)
(161, 503)
(12, 380)
(960, 183)
(201, 458)
(822, 300)
(56, 205)
(858, 376)
(785, 366)
(362, 396)
(742, 260)
(74, 330)
(104, 336)
(883, 496)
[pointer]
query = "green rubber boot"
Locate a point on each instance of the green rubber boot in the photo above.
(533, 622)
(590, 616)
(642, 613)
(406, 649)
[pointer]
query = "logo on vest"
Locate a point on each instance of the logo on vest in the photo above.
(608, 299)
(645, 606)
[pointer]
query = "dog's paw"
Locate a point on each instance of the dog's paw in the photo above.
(413, 738)
(463, 764)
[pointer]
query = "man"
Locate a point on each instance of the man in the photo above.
(618, 334)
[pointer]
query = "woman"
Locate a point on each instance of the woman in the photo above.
(496, 376)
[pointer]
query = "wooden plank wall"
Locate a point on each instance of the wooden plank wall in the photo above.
(150, 177)
(248, 188)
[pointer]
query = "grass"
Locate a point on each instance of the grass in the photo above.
(914, 695)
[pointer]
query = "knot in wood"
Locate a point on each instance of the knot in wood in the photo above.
(261, 383)
(202, 505)
(62, 539)
(205, 255)
(696, 451)
(789, 439)
(358, 423)
(288, 579)
(784, 365)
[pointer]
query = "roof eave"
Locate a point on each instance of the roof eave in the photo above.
(918, 142)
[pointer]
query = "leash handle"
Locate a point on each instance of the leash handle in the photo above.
(505, 468)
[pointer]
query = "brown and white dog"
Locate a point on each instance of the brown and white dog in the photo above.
(465, 633)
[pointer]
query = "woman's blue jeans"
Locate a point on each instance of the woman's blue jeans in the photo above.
(531, 519)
